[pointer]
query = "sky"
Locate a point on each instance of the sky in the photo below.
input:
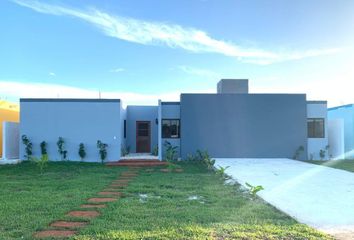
(144, 50)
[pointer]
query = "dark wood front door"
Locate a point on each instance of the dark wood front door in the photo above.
(142, 137)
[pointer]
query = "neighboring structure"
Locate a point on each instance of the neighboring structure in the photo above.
(231, 123)
(9, 112)
(342, 125)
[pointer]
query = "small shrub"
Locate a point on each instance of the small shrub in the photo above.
(102, 148)
(41, 162)
(221, 171)
(82, 151)
(204, 157)
(61, 150)
(43, 148)
(191, 158)
(155, 151)
(254, 189)
(298, 152)
(170, 152)
(125, 150)
(28, 147)
(172, 166)
(322, 154)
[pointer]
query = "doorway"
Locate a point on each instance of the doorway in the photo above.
(143, 137)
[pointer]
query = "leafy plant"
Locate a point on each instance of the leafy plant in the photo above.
(125, 150)
(324, 152)
(61, 150)
(204, 157)
(28, 147)
(155, 151)
(298, 152)
(82, 151)
(43, 148)
(41, 162)
(170, 152)
(191, 158)
(254, 189)
(221, 171)
(102, 148)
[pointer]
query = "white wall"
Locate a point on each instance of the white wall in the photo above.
(314, 145)
(10, 140)
(159, 131)
(336, 138)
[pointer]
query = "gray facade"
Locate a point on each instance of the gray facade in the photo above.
(243, 125)
(141, 113)
(77, 121)
(232, 86)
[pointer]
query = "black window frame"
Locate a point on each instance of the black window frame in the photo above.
(314, 134)
(178, 128)
(125, 128)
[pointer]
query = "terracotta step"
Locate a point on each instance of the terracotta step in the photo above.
(68, 224)
(88, 214)
(101, 200)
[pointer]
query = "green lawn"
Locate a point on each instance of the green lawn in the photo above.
(340, 164)
(30, 201)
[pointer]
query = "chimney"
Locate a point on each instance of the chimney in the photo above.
(233, 86)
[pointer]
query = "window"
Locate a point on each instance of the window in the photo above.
(315, 128)
(170, 128)
(125, 128)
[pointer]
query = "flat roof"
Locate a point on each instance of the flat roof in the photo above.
(68, 100)
(342, 106)
(170, 103)
(317, 102)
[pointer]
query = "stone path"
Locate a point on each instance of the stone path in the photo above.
(90, 210)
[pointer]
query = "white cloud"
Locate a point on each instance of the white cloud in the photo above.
(117, 70)
(15, 90)
(171, 35)
(52, 74)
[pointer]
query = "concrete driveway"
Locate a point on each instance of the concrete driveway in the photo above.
(319, 196)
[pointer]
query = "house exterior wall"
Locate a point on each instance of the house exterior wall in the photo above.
(10, 140)
(141, 113)
(346, 113)
(336, 138)
(317, 109)
(244, 125)
(77, 121)
(6, 115)
(171, 110)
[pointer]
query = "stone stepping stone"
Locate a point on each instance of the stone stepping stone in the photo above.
(68, 224)
(93, 206)
(87, 214)
(110, 193)
(101, 200)
(118, 185)
(54, 233)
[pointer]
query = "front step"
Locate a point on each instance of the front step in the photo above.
(137, 162)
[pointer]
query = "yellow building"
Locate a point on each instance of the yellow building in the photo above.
(9, 112)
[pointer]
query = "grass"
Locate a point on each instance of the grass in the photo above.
(347, 165)
(156, 205)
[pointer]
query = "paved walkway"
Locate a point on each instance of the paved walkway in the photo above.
(319, 196)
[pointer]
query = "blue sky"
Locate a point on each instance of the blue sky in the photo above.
(143, 50)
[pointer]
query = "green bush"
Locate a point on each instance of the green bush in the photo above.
(170, 152)
(298, 152)
(63, 153)
(28, 147)
(82, 152)
(41, 162)
(102, 149)
(125, 150)
(43, 148)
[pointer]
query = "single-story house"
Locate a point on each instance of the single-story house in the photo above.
(341, 121)
(9, 118)
(230, 123)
